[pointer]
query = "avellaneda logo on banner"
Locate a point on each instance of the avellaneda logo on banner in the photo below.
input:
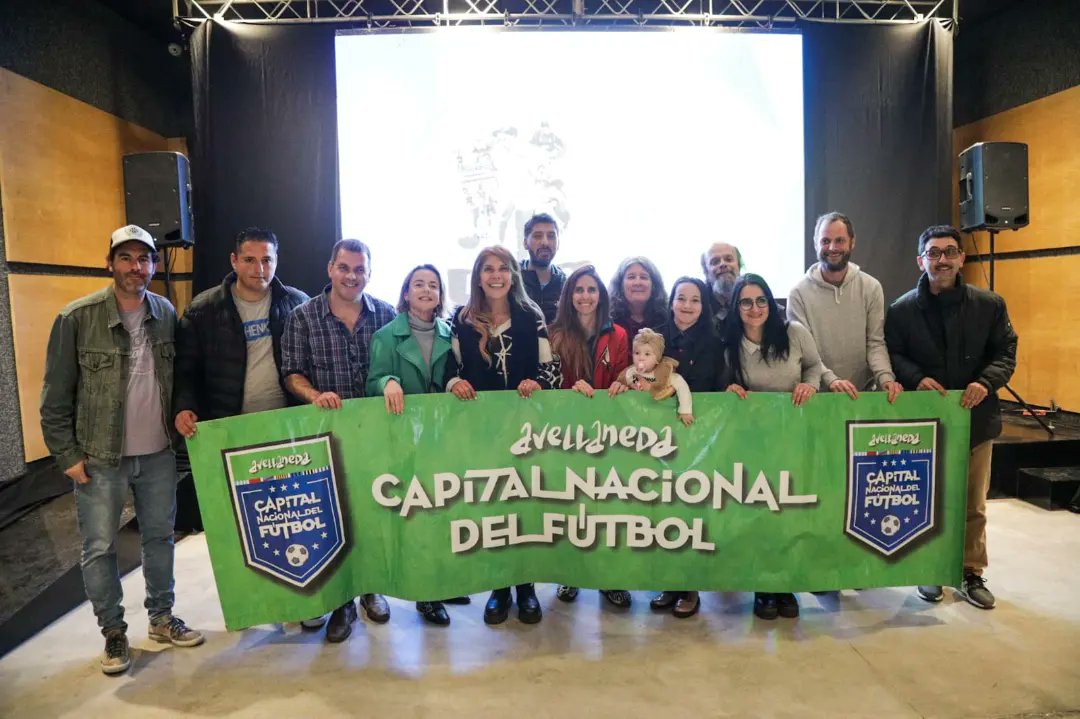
(288, 508)
(892, 482)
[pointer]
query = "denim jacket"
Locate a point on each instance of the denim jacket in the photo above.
(86, 376)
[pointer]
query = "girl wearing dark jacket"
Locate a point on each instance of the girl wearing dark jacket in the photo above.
(690, 339)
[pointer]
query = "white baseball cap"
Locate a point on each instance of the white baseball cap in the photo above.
(132, 233)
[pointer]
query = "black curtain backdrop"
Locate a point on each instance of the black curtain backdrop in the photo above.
(265, 154)
(878, 122)
(878, 103)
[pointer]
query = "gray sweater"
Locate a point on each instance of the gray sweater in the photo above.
(802, 364)
(848, 324)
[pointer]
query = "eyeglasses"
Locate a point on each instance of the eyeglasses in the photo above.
(747, 302)
(934, 253)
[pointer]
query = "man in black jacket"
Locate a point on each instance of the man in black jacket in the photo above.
(228, 344)
(543, 279)
(943, 335)
(227, 350)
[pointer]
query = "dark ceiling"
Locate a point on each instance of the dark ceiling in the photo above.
(155, 16)
(152, 16)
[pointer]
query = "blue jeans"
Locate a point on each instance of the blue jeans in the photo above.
(152, 478)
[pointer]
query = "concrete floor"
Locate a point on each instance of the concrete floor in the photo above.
(877, 653)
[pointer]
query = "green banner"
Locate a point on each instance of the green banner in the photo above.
(305, 508)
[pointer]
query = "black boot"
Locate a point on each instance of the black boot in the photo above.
(787, 605)
(498, 606)
(528, 605)
(765, 605)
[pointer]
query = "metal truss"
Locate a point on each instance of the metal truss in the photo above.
(395, 14)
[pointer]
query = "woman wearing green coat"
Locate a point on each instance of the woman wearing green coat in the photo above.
(409, 356)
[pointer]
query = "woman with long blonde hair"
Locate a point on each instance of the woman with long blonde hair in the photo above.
(500, 342)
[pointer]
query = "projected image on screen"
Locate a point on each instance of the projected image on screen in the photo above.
(638, 143)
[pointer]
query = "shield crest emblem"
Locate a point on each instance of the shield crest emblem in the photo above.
(288, 507)
(891, 482)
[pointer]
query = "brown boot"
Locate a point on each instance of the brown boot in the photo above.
(687, 605)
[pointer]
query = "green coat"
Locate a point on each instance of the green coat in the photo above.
(395, 354)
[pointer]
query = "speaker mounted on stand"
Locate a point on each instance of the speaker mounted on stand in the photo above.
(157, 198)
(994, 197)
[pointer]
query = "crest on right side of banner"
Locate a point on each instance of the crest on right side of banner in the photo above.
(891, 482)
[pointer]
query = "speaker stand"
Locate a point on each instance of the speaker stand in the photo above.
(1019, 399)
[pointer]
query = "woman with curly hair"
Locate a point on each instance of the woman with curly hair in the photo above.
(592, 350)
(638, 298)
(499, 342)
(765, 353)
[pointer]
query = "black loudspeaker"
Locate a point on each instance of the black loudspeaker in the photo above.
(157, 196)
(994, 186)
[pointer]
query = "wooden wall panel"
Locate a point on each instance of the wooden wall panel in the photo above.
(1041, 294)
(35, 302)
(1051, 128)
(61, 174)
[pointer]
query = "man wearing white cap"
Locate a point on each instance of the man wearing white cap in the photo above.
(106, 417)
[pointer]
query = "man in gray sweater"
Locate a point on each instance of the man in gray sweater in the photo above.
(844, 309)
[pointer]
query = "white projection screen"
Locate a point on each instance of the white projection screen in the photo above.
(654, 143)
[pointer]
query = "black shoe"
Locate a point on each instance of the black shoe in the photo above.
(974, 590)
(458, 600)
(787, 605)
(339, 627)
(765, 605)
(528, 605)
(566, 593)
(930, 592)
(433, 612)
(619, 597)
(375, 607)
(497, 608)
(665, 600)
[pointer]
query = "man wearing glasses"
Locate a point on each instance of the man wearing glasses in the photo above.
(844, 309)
(943, 335)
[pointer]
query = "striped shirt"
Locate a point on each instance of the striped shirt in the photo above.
(319, 346)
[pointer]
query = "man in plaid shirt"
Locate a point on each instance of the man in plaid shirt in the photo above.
(324, 360)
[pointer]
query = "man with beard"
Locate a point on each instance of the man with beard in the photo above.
(105, 416)
(943, 335)
(844, 309)
(325, 356)
(722, 265)
(543, 279)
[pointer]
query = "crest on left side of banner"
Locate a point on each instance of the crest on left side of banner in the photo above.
(288, 507)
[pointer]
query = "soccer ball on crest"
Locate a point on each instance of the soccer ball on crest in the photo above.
(297, 554)
(890, 525)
